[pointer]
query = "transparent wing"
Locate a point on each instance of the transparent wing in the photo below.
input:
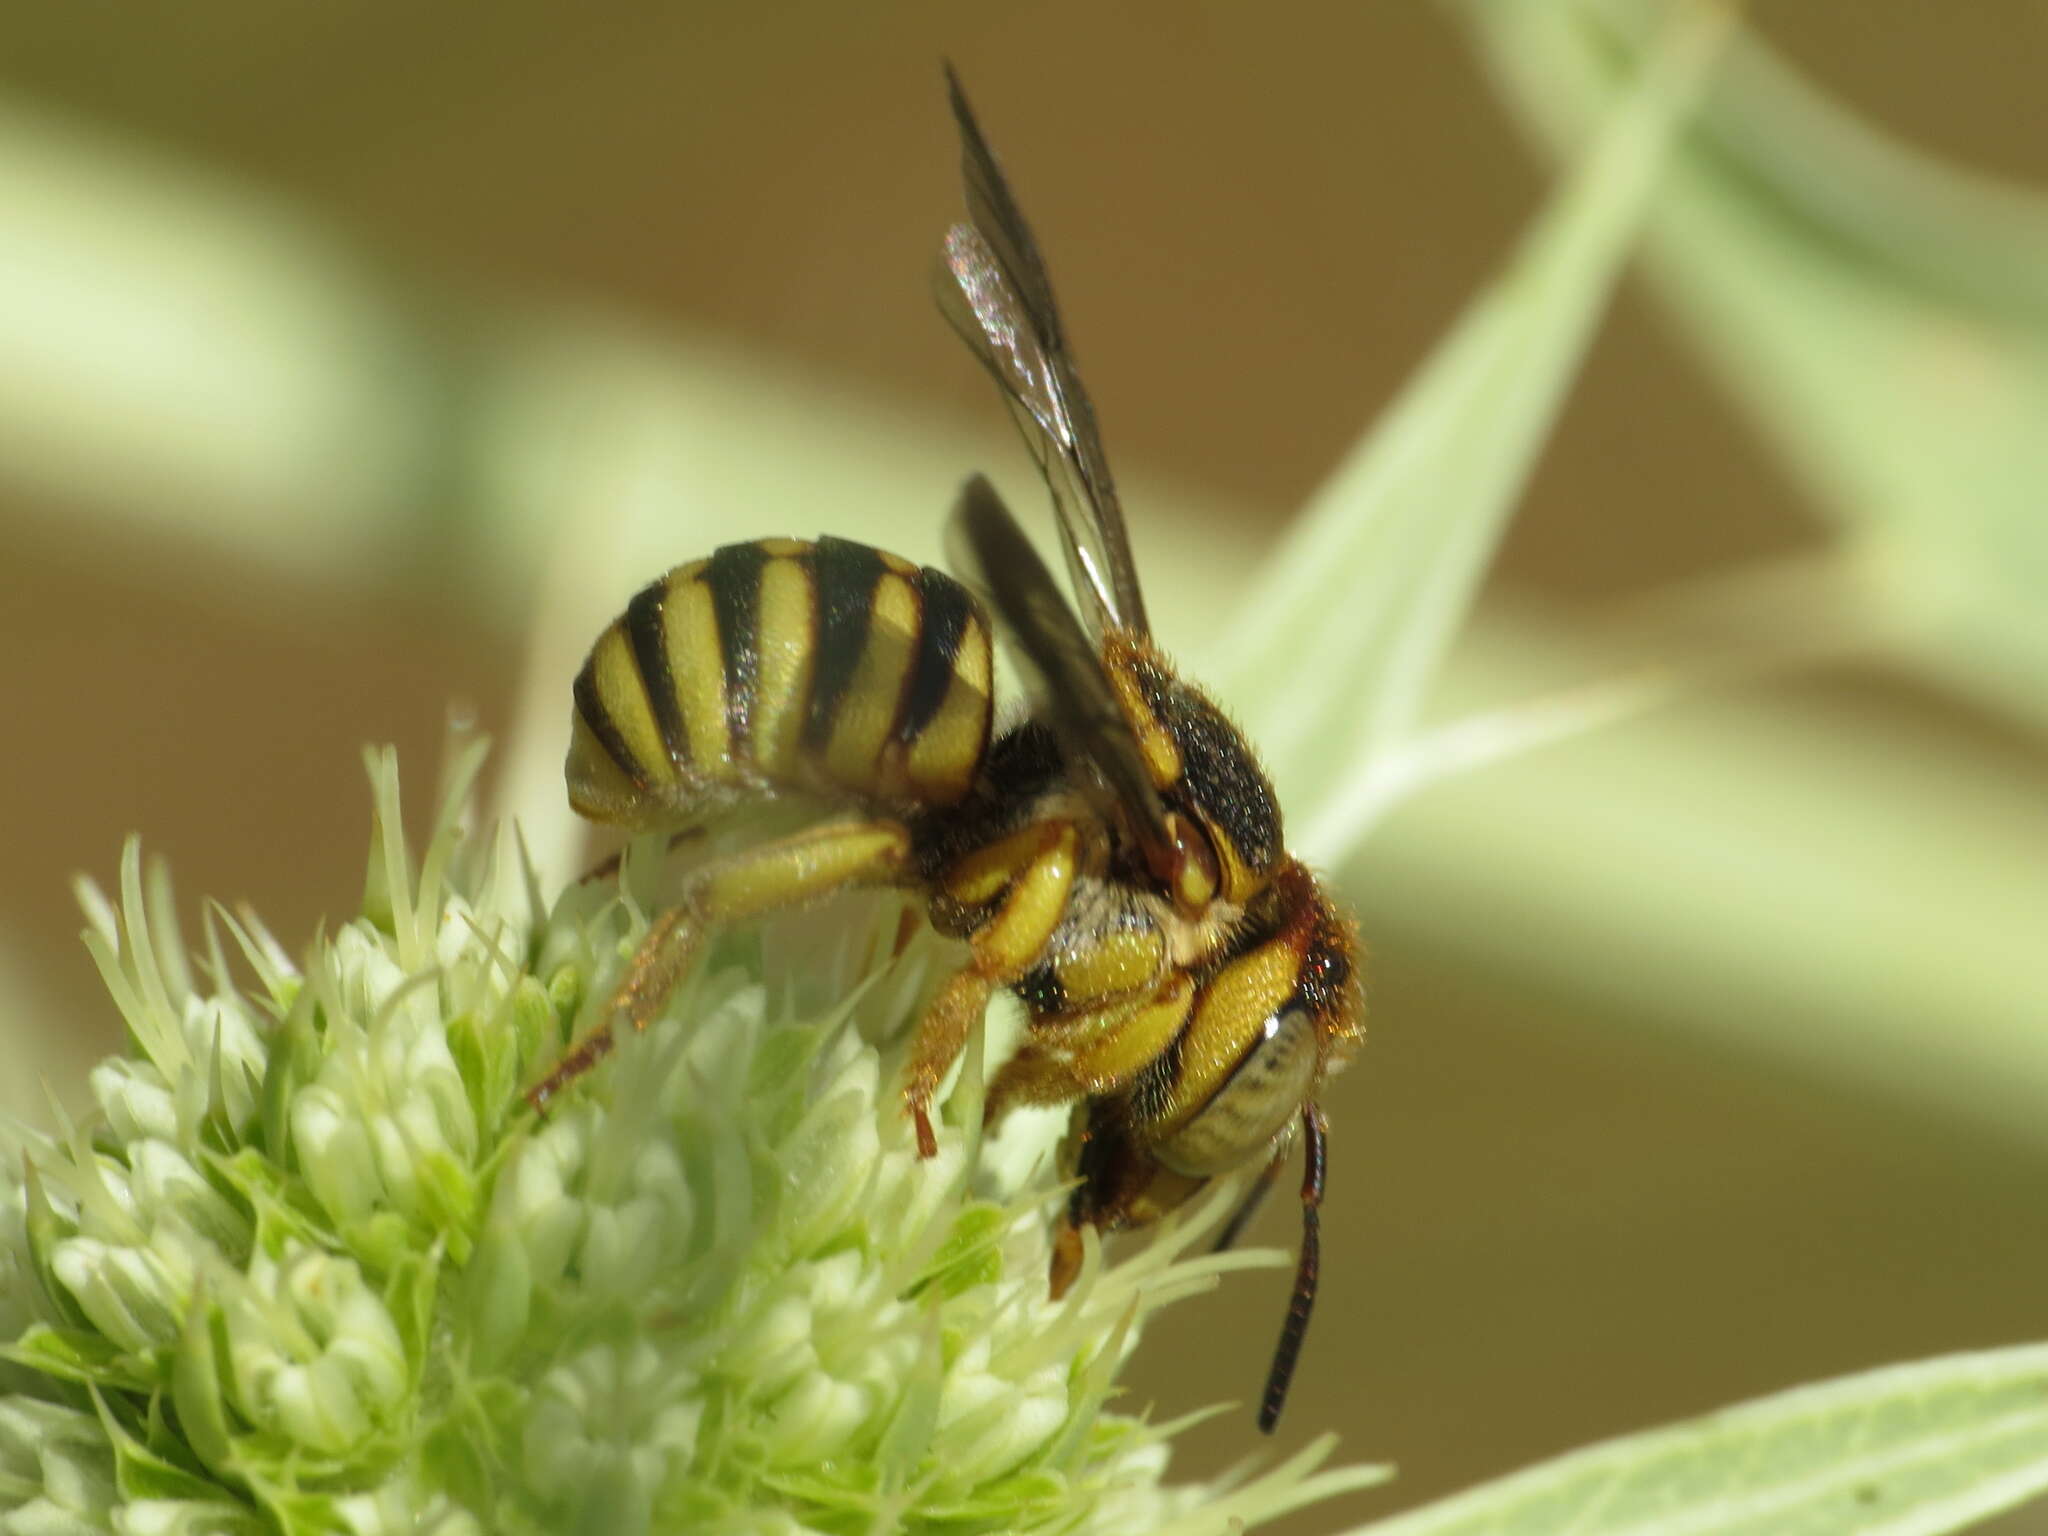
(1061, 664)
(996, 294)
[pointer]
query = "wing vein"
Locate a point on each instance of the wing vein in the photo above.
(995, 292)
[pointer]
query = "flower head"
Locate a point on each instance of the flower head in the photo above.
(315, 1266)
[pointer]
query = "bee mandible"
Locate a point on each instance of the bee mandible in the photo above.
(1115, 859)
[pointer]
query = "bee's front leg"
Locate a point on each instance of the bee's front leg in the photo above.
(1092, 1051)
(788, 872)
(1028, 876)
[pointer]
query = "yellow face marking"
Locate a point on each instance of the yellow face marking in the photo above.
(1229, 1016)
(624, 694)
(944, 755)
(784, 631)
(691, 624)
(1116, 964)
(867, 710)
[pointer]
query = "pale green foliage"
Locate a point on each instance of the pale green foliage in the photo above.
(1380, 572)
(1881, 317)
(318, 1269)
(1910, 1450)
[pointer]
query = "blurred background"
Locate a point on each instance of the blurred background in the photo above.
(356, 364)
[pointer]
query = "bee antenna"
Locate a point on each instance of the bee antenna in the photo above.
(1306, 1271)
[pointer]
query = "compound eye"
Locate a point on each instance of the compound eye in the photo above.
(1255, 1103)
(1196, 873)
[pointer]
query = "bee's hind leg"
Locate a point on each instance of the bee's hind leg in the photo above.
(788, 872)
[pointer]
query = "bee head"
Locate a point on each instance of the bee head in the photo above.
(1224, 839)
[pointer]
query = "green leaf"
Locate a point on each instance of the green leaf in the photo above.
(971, 1255)
(44, 1229)
(141, 1473)
(1847, 879)
(1908, 1450)
(321, 401)
(1880, 316)
(1378, 575)
(78, 1355)
(196, 1389)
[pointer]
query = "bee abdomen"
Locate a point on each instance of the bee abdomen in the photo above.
(783, 664)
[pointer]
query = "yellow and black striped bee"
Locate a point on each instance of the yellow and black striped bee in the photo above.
(1115, 860)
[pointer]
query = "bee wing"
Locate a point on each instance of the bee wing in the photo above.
(1062, 665)
(996, 294)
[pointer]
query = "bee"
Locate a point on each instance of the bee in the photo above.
(1114, 859)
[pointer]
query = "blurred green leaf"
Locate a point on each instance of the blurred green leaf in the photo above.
(1815, 885)
(1909, 1450)
(1882, 318)
(1380, 571)
(180, 354)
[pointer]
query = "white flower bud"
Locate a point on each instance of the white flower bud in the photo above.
(335, 1153)
(402, 1508)
(64, 1452)
(162, 1180)
(313, 1353)
(133, 1097)
(132, 1295)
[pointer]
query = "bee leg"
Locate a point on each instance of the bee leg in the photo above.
(1092, 1052)
(907, 925)
(941, 1036)
(1040, 1073)
(787, 872)
(1067, 1255)
(1110, 1176)
(608, 866)
(1034, 874)
(667, 949)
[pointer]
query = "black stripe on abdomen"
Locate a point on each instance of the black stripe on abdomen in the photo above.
(845, 575)
(647, 632)
(734, 577)
(946, 610)
(590, 704)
